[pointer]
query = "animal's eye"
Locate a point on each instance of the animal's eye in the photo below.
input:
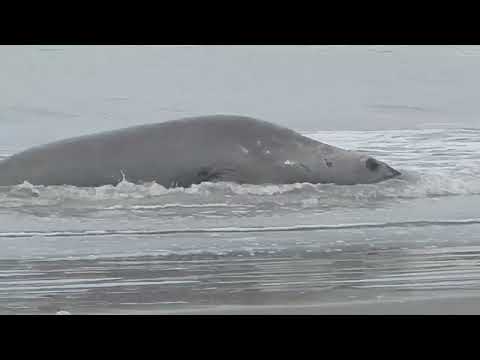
(371, 164)
(203, 173)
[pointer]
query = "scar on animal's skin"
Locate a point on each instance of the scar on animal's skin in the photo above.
(329, 163)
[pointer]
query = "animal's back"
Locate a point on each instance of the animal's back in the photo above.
(153, 152)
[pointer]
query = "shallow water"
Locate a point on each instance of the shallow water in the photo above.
(130, 248)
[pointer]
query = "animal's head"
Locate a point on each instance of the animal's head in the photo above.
(373, 170)
(349, 168)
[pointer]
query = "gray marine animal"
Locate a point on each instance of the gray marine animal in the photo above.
(190, 151)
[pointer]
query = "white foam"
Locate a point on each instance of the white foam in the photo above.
(167, 206)
(63, 312)
(413, 185)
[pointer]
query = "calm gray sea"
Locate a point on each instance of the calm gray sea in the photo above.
(132, 248)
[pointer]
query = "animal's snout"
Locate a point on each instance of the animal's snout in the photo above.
(394, 172)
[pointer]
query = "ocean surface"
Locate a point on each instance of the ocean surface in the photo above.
(131, 248)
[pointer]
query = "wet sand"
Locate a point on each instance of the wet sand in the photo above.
(419, 306)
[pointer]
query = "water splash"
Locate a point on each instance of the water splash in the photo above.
(434, 163)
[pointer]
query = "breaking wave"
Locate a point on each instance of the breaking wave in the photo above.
(410, 185)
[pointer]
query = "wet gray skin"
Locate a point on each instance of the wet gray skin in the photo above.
(190, 151)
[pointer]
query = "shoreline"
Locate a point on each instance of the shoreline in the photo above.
(466, 305)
